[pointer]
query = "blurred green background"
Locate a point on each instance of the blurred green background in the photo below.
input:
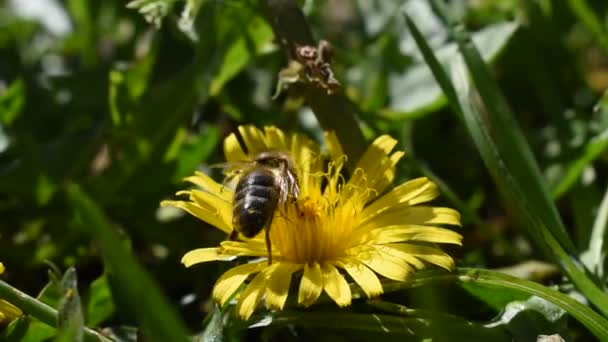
(91, 93)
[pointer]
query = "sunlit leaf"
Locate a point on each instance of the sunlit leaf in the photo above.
(258, 38)
(100, 305)
(71, 320)
(594, 256)
(416, 92)
(493, 282)
(214, 331)
(26, 329)
(507, 154)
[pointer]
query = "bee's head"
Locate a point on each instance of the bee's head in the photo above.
(277, 160)
(273, 159)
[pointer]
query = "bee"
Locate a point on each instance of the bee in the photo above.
(265, 185)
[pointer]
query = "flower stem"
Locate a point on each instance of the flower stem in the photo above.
(39, 310)
(334, 111)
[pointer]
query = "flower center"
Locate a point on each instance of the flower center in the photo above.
(308, 209)
(312, 229)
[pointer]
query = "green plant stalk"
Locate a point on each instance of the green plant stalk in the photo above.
(334, 112)
(37, 309)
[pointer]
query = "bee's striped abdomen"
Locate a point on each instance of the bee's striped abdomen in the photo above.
(255, 200)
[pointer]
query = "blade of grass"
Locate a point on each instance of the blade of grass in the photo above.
(596, 324)
(592, 150)
(146, 302)
(507, 155)
(595, 255)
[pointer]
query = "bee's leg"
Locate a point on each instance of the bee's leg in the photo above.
(268, 246)
(268, 242)
(234, 234)
(227, 180)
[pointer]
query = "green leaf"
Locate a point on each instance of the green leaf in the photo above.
(595, 255)
(258, 37)
(495, 282)
(82, 39)
(198, 148)
(162, 110)
(145, 300)
(368, 78)
(100, 305)
(126, 86)
(532, 317)
(11, 102)
(70, 320)
(41, 311)
(437, 328)
(26, 329)
(507, 155)
(415, 92)
(214, 331)
(50, 294)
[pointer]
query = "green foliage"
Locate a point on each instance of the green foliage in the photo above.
(70, 321)
(106, 106)
(137, 292)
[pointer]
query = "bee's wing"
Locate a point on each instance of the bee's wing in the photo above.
(288, 186)
(232, 167)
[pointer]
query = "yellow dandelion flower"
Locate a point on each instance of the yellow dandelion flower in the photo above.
(336, 227)
(8, 311)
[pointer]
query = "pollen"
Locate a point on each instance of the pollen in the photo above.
(309, 209)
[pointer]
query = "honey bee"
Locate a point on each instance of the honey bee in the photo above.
(265, 185)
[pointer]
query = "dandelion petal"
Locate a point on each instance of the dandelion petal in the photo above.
(334, 149)
(233, 150)
(311, 285)
(364, 277)
(209, 215)
(335, 285)
(208, 184)
(413, 192)
(275, 139)
(400, 233)
(278, 284)
(431, 255)
(387, 266)
(252, 296)
(200, 255)
(253, 138)
(232, 279)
